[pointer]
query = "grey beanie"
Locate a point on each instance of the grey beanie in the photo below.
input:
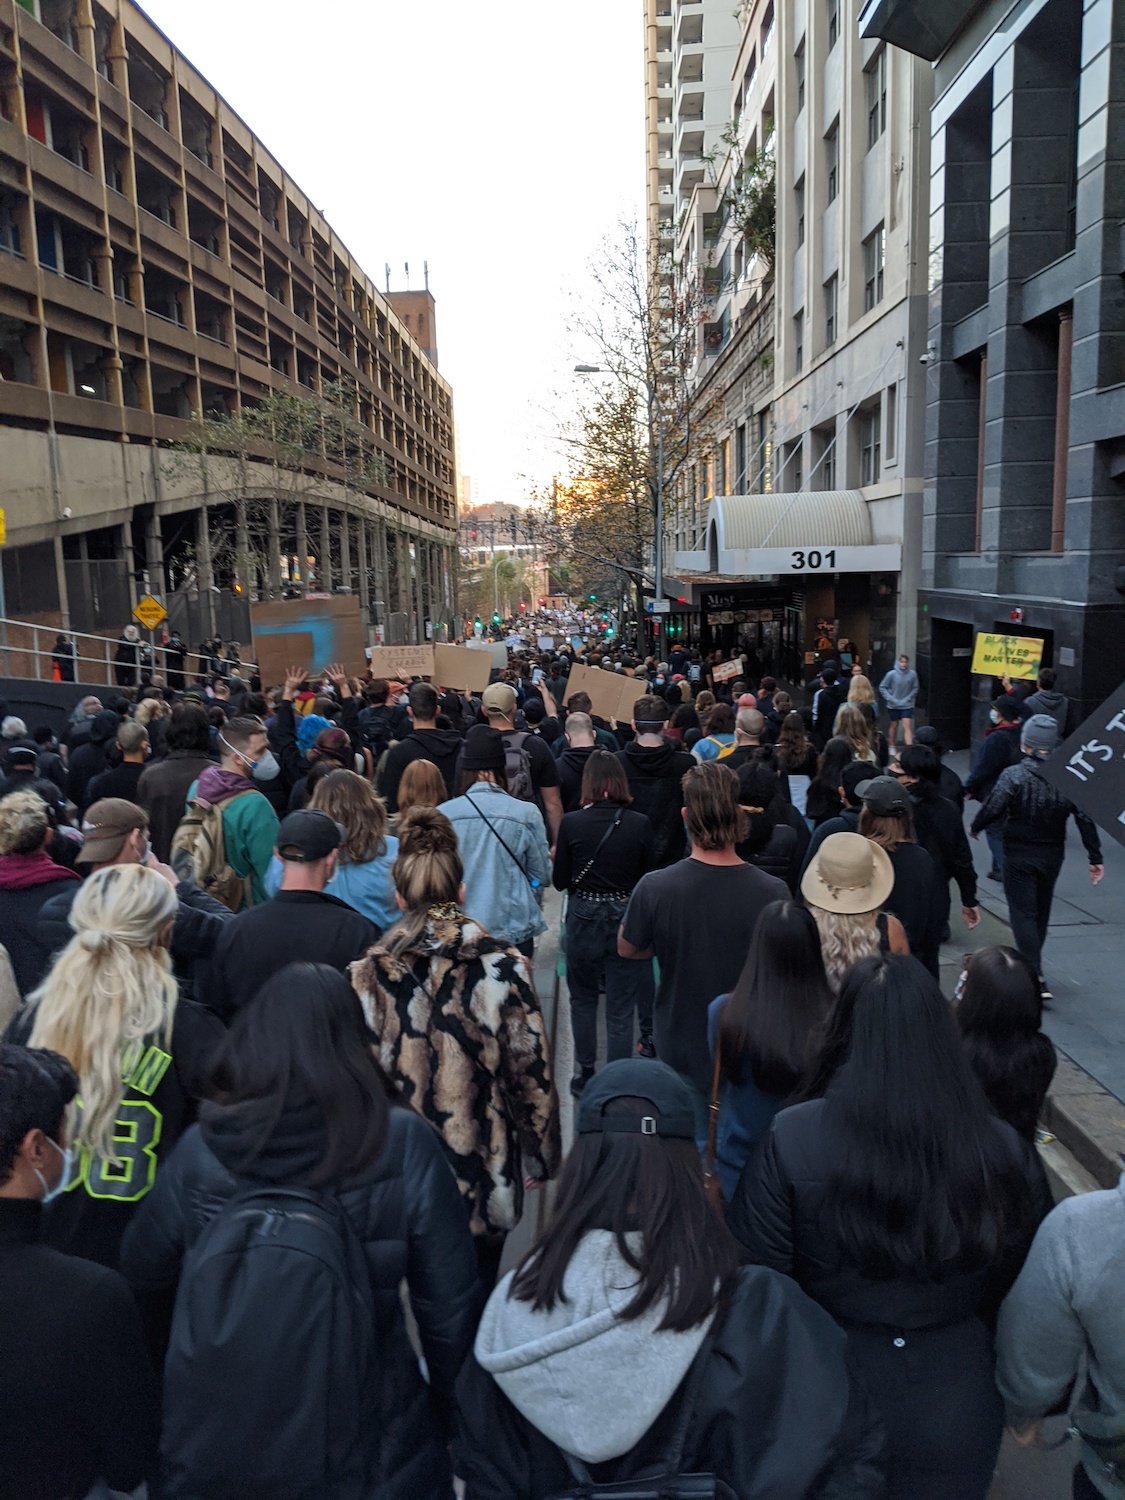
(1040, 735)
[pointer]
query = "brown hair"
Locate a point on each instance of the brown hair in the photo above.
(604, 780)
(887, 830)
(427, 872)
(421, 785)
(792, 742)
(350, 799)
(714, 818)
(650, 710)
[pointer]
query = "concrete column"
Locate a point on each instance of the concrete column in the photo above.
(419, 590)
(380, 598)
(154, 556)
(361, 556)
(345, 550)
(273, 549)
(302, 547)
(982, 427)
(324, 561)
(1062, 432)
(60, 584)
(205, 574)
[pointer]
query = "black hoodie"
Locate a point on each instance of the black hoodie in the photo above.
(572, 763)
(89, 758)
(441, 746)
(655, 773)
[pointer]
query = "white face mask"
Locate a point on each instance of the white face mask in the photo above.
(994, 716)
(60, 1187)
(265, 768)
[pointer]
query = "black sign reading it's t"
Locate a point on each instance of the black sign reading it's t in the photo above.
(1089, 767)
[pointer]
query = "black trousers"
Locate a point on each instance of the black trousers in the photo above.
(1030, 873)
(590, 943)
(1084, 1487)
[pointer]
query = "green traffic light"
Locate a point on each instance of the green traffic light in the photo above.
(496, 619)
(593, 596)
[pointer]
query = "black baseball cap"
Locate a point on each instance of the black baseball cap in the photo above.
(638, 1077)
(308, 835)
(883, 795)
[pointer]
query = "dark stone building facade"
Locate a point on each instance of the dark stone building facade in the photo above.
(1024, 498)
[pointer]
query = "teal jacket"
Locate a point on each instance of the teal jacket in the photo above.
(250, 834)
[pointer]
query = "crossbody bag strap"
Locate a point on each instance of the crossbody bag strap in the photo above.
(713, 1109)
(601, 845)
(515, 857)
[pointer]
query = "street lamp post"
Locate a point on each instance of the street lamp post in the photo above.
(496, 586)
(658, 548)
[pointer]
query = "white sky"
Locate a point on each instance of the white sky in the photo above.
(501, 142)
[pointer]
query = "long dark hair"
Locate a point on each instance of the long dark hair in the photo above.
(772, 1019)
(838, 753)
(793, 741)
(926, 1187)
(627, 1183)
(303, 1041)
(999, 1016)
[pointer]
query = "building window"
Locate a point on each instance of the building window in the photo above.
(799, 65)
(833, 23)
(875, 77)
(832, 161)
(748, 76)
(826, 463)
(799, 208)
(767, 29)
(870, 457)
(799, 343)
(722, 466)
(794, 464)
(740, 459)
(873, 270)
(889, 432)
(831, 288)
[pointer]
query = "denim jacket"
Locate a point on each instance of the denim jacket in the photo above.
(497, 894)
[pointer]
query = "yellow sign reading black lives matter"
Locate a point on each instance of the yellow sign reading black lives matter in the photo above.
(1016, 655)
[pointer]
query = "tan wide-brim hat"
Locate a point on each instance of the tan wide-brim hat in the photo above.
(848, 874)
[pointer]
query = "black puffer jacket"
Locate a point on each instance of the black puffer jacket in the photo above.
(410, 1219)
(777, 1414)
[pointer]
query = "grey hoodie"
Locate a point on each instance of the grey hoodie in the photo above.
(1055, 705)
(1065, 1308)
(592, 1383)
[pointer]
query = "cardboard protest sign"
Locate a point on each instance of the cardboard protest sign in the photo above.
(1089, 766)
(462, 668)
(402, 662)
(611, 697)
(728, 671)
(313, 633)
(497, 650)
(1016, 655)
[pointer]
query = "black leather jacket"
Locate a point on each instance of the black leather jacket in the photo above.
(1033, 811)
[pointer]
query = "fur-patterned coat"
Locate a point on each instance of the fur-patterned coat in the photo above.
(461, 1032)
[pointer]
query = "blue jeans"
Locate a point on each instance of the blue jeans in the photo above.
(995, 839)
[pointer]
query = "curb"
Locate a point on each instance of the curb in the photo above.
(1088, 1121)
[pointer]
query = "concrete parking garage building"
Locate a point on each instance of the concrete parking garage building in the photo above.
(156, 263)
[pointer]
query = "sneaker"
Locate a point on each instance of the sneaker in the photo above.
(646, 1047)
(994, 874)
(1045, 991)
(579, 1081)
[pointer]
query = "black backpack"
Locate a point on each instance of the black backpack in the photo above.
(663, 1480)
(270, 1382)
(377, 727)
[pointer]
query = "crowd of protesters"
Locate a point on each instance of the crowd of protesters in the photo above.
(275, 1083)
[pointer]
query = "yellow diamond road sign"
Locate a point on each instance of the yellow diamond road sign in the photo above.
(149, 612)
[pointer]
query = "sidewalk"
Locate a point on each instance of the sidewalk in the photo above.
(1084, 958)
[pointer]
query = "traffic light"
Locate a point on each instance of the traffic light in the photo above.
(593, 597)
(522, 604)
(496, 618)
(476, 622)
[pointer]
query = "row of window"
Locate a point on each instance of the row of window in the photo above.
(873, 253)
(873, 430)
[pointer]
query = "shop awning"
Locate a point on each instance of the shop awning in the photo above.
(815, 531)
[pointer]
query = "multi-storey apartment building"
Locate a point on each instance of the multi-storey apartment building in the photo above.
(156, 262)
(837, 446)
(1024, 520)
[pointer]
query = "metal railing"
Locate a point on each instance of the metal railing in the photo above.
(28, 650)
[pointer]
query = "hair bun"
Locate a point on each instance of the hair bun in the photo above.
(95, 940)
(426, 830)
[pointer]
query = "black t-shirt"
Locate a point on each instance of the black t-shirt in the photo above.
(626, 855)
(699, 919)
